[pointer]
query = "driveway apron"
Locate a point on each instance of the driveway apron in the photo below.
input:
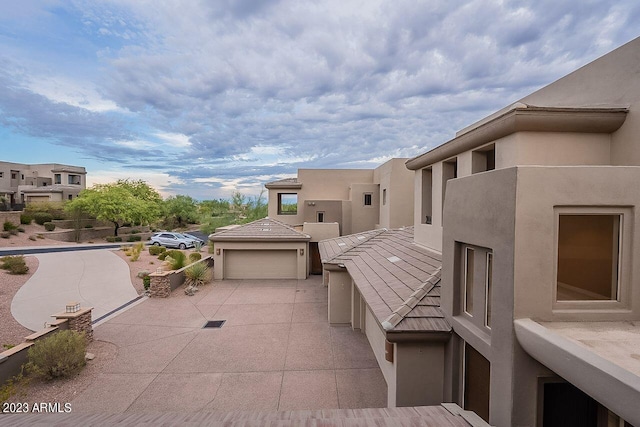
(96, 278)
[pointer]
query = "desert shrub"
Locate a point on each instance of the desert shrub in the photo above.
(39, 236)
(197, 245)
(25, 219)
(162, 256)
(195, 257)
(49, 226)
(14, 264)
(112, 239)
(156, 250)
(135, 231)
(33, 238)
(20, 229)
(134, 238)
(211, 247)
(8, 226)
(146, 282)
(13, 232)
(88, 226)
(175, 259)
(16, 385)
(5, 234)
(197, 274)
(59, 355)
(42, 217)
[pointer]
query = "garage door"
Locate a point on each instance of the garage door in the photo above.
(256, 264)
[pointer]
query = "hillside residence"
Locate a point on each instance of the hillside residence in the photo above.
(534, 215)
(356, 199)
(50, 182)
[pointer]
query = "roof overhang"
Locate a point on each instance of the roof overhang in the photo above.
(284, 185)
(613, 386)
(255, 239)
(526, 118)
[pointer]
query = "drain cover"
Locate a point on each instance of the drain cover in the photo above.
(214, 324)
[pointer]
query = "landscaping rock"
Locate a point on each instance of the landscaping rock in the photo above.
(89, 356)
(143, 273)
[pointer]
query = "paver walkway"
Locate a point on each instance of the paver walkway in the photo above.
(94, 278)
(276, 351)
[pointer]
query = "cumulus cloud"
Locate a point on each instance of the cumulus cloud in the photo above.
(215, 94)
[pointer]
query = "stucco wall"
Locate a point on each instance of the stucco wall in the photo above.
(339, 297)
(364, 217)
(398, 181)
(376, 338)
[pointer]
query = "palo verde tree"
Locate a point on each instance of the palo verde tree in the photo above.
(123, 202)
(181, 210)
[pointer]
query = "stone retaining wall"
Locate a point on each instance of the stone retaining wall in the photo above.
(12, 217)
(163, 283)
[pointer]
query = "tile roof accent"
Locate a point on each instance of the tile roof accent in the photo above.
(284, 183)
(261, 230)
(399, 280)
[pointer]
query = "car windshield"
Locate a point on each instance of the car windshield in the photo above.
(183, 236)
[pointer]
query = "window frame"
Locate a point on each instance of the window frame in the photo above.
(320, 216)
(280, 211)
(368, 197)
(488, 289)
(622, 302)
(465, 288)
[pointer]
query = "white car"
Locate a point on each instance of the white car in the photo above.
(173, 240)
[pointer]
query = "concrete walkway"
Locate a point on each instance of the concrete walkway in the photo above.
(94, 278)
(275, 352)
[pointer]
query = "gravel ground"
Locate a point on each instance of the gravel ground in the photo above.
(22, 239)
(12, 332)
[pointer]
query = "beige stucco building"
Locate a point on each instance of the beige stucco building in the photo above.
(533, 213)
(356, 199)
(51, 182)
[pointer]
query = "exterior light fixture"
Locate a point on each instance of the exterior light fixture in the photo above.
(301, 251)
(217, 251)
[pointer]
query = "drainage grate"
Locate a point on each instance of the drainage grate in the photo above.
(214, 324)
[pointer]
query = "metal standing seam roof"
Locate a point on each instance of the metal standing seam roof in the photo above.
(264, 229)
(399, 280)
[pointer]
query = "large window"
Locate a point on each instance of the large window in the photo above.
(474, 290)
(287, 203)
(477, 382)
(74, 179)
(57, 178)
(588, 264)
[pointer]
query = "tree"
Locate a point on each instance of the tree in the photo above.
(256, 208)
(181, 210)
(123, 202)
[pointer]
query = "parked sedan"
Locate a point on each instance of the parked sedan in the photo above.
(173, 240)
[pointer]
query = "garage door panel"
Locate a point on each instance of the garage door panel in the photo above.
(260, 264)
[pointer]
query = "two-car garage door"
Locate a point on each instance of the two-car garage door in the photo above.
(260, 264)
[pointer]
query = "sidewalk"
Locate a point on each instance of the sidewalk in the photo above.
(94, 278)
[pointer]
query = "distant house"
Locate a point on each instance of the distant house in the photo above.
(327, 203)
(52, 182)
(534, 214)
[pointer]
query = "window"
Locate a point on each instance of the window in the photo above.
(384, 196)
(14, 174)
(468, 280)
(477, 382)
(487, 293)
(70, 197)
(367, 199)
(449, 171)
(287, 203)
(320, 216)
(57, 178)
(74, 179)
(588, 262)
(427, 182)
(1, 174)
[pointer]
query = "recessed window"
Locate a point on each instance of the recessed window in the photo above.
(367, 199)
(488, 290)
(74, 179)
(57, 178)
(1, 174)
(70, 197)
(484, 159)
(320, 216)
(384, 196)
(427, 203)
(468, 280)
(588, 257)
(287, 203)
(477, 382)
(449, 171)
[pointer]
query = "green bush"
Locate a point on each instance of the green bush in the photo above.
(8, 226)
(49, 226)
(197, 274)
(59, 355)
(134, 231)
(88, 226)
(112, 239)
(134, 238)
(146, 282)
(195, 257)
(25, 219)
(5, 234)
(42, 217)
(14, 264)
(156, 250)
(177, 261)
(162, 256)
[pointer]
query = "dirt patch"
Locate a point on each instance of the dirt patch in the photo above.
(22, 238)
(11, 332)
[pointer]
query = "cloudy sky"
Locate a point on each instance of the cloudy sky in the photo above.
(206, 97)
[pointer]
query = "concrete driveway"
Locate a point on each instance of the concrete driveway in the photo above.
(275, 351)
(95, 278)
